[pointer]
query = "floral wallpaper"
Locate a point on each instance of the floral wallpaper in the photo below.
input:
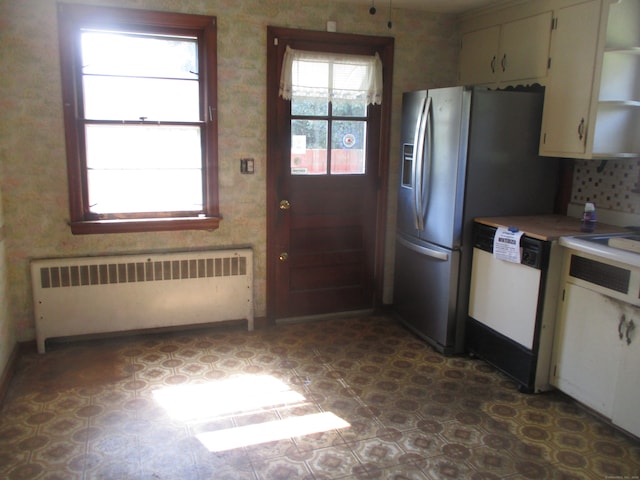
(32, 153)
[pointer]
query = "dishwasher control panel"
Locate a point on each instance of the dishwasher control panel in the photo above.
(534, 253)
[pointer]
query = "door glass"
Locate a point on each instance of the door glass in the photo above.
(316, 107)
(328, 105)
(348, 140)
(309, 147)
(349, 108)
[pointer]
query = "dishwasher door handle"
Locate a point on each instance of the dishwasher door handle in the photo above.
(423, 250)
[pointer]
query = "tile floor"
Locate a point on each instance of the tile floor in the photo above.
(357, 398)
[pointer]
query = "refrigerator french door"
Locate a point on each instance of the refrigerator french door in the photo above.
(427, 253)
(465, 153)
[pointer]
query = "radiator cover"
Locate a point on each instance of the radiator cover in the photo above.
(91, 295)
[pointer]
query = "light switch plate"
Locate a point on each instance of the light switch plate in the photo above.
(246, 165)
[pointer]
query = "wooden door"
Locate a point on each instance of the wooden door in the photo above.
(325, 210)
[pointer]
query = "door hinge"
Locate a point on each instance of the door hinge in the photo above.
(555, 371)
(549, 63)
(563, 290)
(554, 23)
(275, 41)
(544, 138)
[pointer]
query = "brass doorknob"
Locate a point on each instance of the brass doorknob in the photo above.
(284, 256)
(285, 205)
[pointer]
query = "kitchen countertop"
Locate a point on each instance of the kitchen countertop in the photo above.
(548, 227)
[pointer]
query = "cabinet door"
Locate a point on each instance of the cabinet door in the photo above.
(524, 48)
(570, 79)
(479, 56)
(587, 348)
(626, 410)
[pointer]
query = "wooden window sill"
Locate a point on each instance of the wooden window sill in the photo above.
(144, 225)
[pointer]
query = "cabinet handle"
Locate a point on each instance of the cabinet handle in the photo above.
(503, 62)
(621, 324)
(581, 129)
(630, 328)
(493, 64)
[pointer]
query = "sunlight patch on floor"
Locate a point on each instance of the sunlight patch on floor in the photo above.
(231, 438)
(243, 395)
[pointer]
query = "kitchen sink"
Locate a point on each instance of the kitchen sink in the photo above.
(605, 238)
(620, 247)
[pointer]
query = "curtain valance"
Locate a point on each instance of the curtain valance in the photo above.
(331, 76)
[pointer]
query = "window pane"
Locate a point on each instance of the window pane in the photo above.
(130, 190)
(349, 81)
(106, 53)
(309, 106)
(349, 108)
(308, 147)
(310, 79)
(135, 168)
(348, 140)
(122, 98)
(141, 146)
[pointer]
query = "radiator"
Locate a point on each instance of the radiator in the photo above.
(91, 295)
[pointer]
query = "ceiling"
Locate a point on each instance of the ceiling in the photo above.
(441, 6)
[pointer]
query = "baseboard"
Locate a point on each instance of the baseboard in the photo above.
(9, 370)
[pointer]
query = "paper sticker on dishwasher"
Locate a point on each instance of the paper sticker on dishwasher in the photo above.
(506, 245)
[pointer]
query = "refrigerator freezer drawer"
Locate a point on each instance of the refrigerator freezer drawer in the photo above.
(424, 292)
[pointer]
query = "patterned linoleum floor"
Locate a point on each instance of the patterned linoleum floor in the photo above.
(357, 398)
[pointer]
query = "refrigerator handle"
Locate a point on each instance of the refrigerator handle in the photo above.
(422, 250)
(418, 155)
(425, 180)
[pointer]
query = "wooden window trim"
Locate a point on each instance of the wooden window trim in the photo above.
(70, 19)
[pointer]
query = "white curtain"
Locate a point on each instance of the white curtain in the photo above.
(331, 76)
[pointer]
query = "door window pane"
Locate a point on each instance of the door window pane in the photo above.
(349, 108)
(348, 140)
(326, 92)
(309, 147)
(307, 106)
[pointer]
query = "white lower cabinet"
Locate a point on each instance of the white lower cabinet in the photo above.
(626, 406)
(597, 355)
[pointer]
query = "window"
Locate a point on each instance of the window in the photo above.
(139, 94)
(329, 96)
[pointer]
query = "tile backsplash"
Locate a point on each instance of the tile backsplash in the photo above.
(612, 185)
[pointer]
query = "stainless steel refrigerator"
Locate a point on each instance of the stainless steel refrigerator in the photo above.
(465, 153)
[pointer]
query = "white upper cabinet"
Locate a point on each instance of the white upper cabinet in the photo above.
(592, 99)
(506, 53)
(570, 78)
(479, 56)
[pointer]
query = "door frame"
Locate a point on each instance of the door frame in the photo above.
(346, 43)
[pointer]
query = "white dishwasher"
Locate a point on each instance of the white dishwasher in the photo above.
(508, 324)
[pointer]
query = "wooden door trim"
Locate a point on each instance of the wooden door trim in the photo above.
(346, 43)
